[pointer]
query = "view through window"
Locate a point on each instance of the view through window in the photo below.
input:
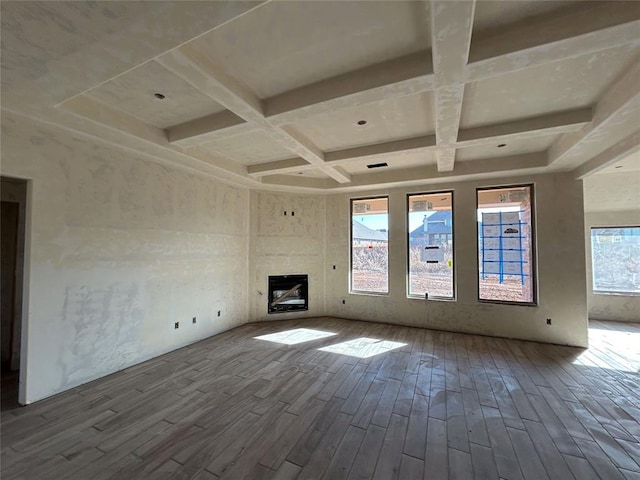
(430, 244)
(370, 245)
(615, 255)
(505, 244)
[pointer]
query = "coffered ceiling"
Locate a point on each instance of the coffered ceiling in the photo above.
(306, 95)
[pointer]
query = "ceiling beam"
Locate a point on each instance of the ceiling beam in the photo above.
(344, 157)
(611, 155)
(195, 67)
(427, 142)
(451, 27)
(619, 104)
(577, 30)
(290, 165)
(394, 78)
(487, 168)
(207, 129)
(543, 125)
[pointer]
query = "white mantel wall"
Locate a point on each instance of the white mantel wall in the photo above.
(560, 265)
(285, 245)
(118, 249)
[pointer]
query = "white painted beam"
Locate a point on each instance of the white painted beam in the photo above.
(487, 168)
(394, 78)
(207, 129)
(579, 30)
(344, 157)
(427, 142)
(289, 165)
(451, 27)
(542, 125)
(618, 106)
(611, 155)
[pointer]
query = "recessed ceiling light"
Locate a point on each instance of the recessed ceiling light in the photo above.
(502, 145)
(362, 122)
(159, 96)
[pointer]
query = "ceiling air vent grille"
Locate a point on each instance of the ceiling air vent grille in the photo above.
(378, 165)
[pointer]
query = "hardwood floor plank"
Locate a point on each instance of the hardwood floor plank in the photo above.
(411, 468)
(365, 462)
(460, 467)
(503, 451)
(416, 437)
(483, 462)
(346, 452)
(388, 466)
(530, 463)
(549, 455)
(581, 468)
(436, 450)
(457, 433)
(599, 460)
(384, 409)
(287, 471)
(324, 452)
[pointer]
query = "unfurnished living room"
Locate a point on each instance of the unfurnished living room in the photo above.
(320, 240)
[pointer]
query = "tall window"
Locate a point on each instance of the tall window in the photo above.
(506, 244)
(430, 244)
(370, 245)
(615, 256)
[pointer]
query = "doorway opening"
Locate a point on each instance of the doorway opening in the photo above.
(12, 230)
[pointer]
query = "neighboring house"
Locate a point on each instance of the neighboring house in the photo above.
(435, 230)
(365, 236)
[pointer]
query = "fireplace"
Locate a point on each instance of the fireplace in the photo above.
(288, 293)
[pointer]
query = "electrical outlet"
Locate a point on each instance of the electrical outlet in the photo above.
(194, 320)
(344, 301)
(176, 325)
(334, 267)
(548, 321)
(218, 312)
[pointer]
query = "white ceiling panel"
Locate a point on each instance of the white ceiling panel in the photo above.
(285, 45)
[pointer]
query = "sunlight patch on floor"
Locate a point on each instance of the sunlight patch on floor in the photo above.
(622, 347)
(363, 347)
(298, 335)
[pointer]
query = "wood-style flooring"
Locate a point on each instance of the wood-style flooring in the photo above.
(438, 405)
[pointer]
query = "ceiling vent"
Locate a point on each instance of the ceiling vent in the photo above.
(378, 165)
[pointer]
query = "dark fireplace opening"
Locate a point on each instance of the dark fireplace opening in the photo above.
(288, 293)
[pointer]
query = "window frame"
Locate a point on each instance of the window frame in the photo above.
(454, 297)
(351, 290)
(593, 280)
(534, 247)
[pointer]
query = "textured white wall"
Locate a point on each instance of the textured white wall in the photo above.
(286, 244)
(119, 249)
(625, 308)
(561, 268)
